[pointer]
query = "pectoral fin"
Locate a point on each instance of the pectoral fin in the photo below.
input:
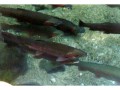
(60, 59)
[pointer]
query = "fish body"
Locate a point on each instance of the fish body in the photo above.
(39, 18)
(101, 70)
(108, 28)
(62, 5)
(55, 51)
(113, 5)
(32, 30)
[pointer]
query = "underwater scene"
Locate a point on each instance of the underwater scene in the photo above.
(68, 45)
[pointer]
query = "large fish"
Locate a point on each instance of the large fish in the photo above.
(54, 51)
(39, 18)
(108, 28)
(100, 70)
(32, 30)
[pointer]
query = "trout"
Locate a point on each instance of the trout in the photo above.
(55, 51)
(39, 18)
(32, 30)
(100, 70)
(108, 28)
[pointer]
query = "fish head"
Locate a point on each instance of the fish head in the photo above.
(80, 29)
(76, 29)
(71, 56)
(75, 54)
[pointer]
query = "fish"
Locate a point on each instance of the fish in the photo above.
(39, 7)
(113, 5)
(108, 28)
(100, 70)
(62, 5)
(33, 30)
(57, 52)
(52, 49)
(38, 18)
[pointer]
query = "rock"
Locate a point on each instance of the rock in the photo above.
(81, 74)
(53, 80)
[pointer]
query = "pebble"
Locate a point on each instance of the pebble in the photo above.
(53, 80)
(81, 74)
(93, 39)
(82, 84)
(113, 82)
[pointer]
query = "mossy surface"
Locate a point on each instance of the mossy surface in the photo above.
(101, 48)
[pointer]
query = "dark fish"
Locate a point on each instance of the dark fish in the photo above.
(39, 7)
(101, 70)
(32, 30)
(113, 28)
(62, 5)
(58, 52)
(114, 5)
(38, 18)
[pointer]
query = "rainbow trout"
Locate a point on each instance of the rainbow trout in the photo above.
(113, 28)
(55, 51)
(32, 30)
(100, 70)
(39, 18)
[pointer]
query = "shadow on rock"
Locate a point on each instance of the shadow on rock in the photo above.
(12, 63)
